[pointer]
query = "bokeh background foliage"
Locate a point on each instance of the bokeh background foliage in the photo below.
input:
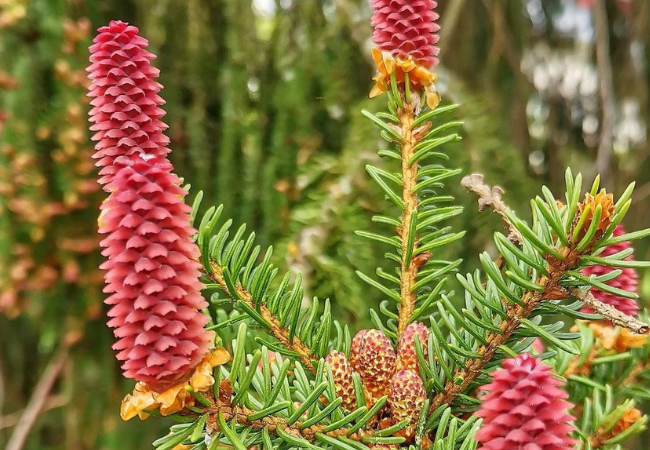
(263, 101)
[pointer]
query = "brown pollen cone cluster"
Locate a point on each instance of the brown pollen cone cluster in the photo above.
(384, 373)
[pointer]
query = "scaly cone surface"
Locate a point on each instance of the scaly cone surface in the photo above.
(152, 273)
(525, 407)
(407, 28)
(406, 398)
(126, 113)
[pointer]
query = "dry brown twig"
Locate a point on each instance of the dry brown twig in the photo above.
(611, 313)
(491, 197)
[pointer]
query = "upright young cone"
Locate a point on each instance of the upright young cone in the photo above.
(525, 407)
(627, 280)
(152, 273)
(126, 109)
(407, 29)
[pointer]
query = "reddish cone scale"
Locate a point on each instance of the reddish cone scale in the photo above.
(373, 358)
(152, 273)
(126, 109)
(342, 374)
(407, 28)
(627, 280)
(407, 358)
(525, 407)
(406, 398)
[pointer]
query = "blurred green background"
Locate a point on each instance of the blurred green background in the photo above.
(263, 101)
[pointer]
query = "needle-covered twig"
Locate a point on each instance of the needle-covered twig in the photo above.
(275, 327)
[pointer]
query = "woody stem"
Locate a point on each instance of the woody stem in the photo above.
(409, 267)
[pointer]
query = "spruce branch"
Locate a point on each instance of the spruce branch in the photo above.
(281, 333)
(491, 196)
(530, 301)
(546, 287)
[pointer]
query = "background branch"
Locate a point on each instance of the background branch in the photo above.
(38, 399)
(604, 63)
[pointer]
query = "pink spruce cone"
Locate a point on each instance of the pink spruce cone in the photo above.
(525, 408)
(126, 109)
(152, 273)
(407, 28)
(627, 280)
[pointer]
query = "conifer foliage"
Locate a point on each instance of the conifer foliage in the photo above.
(431, 373)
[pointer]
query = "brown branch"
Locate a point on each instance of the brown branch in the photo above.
(222, 404)
(409, 269)
(276, 329)
(53, 402)
(272, 423)
(604, 64)
(449, 20)
(611, 313)
(491, 196)
(38, 399)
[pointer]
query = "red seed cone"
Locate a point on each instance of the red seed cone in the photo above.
(406, 398)
(342, 374)
(407, 28)
(407, 358)
(126, 109)
(152, 273)
(525, 407)
(373, 358)
(627, 280)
